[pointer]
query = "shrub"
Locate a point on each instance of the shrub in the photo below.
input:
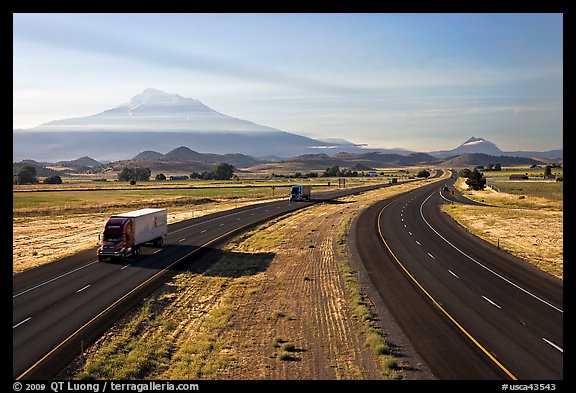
(53, 180)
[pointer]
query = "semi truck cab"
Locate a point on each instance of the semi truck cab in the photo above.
(117, 241)
(300, 193)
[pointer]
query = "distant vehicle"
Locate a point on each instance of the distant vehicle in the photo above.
(394, 180)
(300, 193)
(124, 233)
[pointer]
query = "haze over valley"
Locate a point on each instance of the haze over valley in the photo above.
(155, 121)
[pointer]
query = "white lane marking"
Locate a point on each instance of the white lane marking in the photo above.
(221, 225)
(124, 267)
(554, 345)
(431, 256)
(157, 251)
(484, 266)
(443, 197)
(417, 242)
(181, 240)
(452, 273)
(405, 226)
(410, 233)
(18, 324)
(238, 219)
(214, 219)
(53, 279)
(81, 289)
(490, 301)
(203, 231)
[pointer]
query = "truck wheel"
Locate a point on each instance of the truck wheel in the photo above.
(101, 258)
(135, 251)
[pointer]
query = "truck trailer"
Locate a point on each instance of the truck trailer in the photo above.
(124, 233)
(300, 193)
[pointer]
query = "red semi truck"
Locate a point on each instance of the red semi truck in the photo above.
(124, 233)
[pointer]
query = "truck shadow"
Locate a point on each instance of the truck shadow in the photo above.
(218, 263)
(202, 260)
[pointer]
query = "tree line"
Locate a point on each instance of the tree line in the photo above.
(28, 175)
(223, 171)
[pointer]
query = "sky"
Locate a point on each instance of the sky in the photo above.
(421, 82)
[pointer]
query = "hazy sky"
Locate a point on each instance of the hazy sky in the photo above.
(417, 81)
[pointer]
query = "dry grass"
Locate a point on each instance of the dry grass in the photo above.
(530, 227)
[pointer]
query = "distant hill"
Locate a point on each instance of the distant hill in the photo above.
(79, 162)
(41, 169)
(469, 159)
(148, 155)
(184, 153)
(349, 160)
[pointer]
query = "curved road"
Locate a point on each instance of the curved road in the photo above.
(60, 307)
(470, 310)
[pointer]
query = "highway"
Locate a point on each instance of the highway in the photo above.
(62, 307)
(470, 310)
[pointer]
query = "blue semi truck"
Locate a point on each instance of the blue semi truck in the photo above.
(300, 193)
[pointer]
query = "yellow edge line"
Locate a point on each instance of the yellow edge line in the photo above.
(124, 297)
(439, 306)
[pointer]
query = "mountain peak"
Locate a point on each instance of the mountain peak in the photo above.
(473, 139)
(153, 101)
(477, 145)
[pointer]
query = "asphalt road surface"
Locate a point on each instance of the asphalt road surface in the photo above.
(62, 307)
(470, 310)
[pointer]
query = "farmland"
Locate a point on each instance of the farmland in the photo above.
(525, 219)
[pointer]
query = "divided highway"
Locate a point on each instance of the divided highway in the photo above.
(63, 306)
(470, 310)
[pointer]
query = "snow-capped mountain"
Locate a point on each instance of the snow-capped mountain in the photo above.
(472, 145)
(478, 145)
(483, 146)
(156, 120)
(157, 111)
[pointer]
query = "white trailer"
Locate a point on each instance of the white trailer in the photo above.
(124, 233)
(147, 225)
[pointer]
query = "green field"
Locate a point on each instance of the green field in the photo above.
(542, 189)
(531, 172)
(52, 199)
(89, 194)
